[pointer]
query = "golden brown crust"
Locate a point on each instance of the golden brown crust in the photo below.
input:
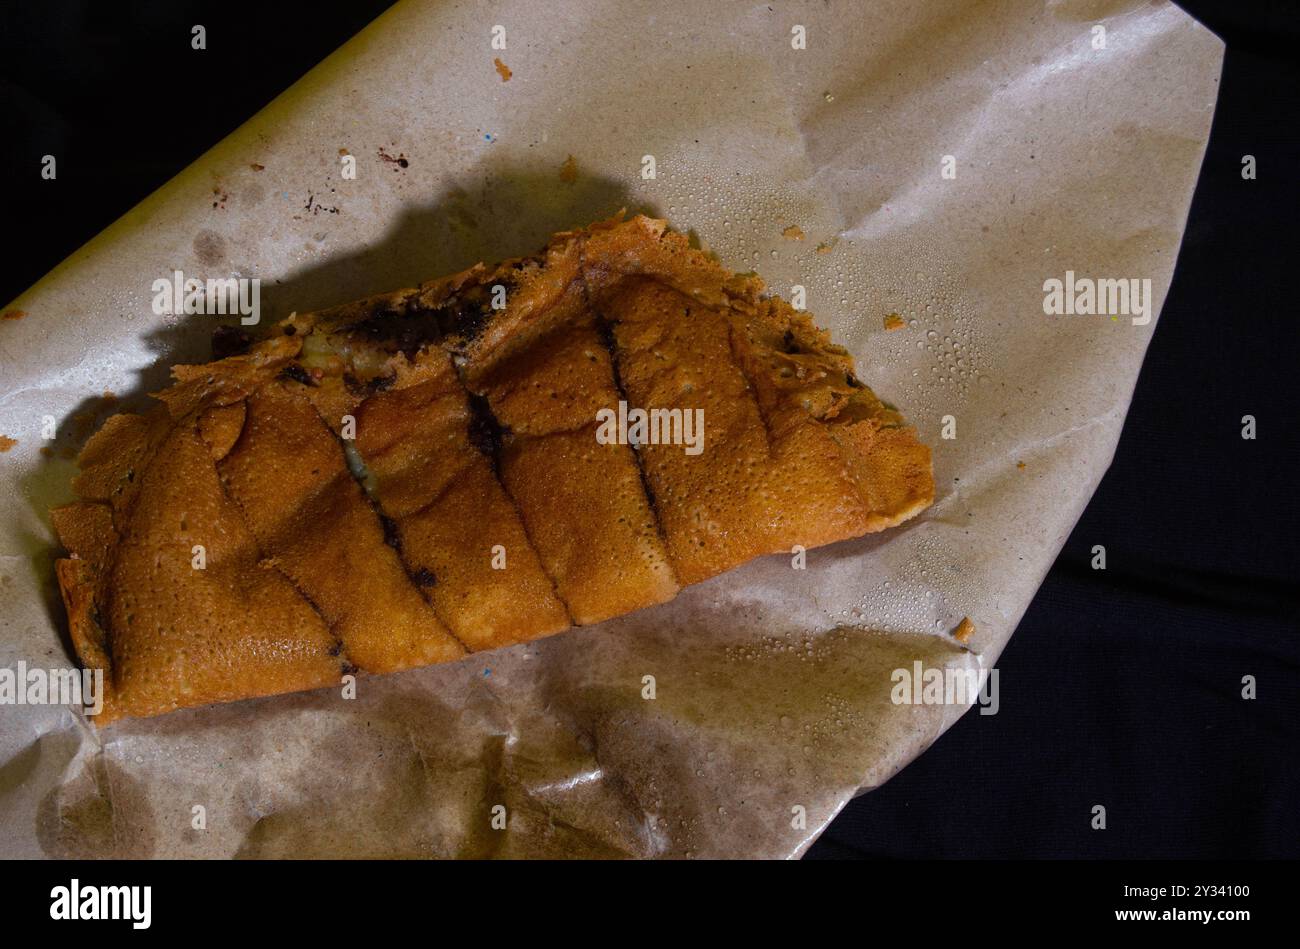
(289, 475)
(193, 613)
(78, 582)
(451, 513)
(581, 501)
(809, 394)
(221, 426)
(641, 246)
(674, 355)
(473, 429)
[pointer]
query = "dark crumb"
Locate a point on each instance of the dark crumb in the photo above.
(852, 381)
(229, 341)
(424, 577)
(296, 373)
(290, 329)
(315, 207)
(399, 159)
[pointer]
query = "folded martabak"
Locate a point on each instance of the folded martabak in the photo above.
(479, 461)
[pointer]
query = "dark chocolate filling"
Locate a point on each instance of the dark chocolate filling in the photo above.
(296, 373)
(606, 329)
(230, 341)
(392, 537)
(486, 433)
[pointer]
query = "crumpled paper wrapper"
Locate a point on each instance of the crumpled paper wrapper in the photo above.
(772, 684)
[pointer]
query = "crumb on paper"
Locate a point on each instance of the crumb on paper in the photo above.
(503, 70)
(399, 160)
(823, 248)
(344, 151)
(894, 322)
(569, 171)
(110, 398)
(1020, 464)
(6, 443)
(314, 206)
(828, 96)
(794, 232)
(256, 167)
(14, 314)
(964, 631)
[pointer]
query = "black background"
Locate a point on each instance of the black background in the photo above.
(1121, 687)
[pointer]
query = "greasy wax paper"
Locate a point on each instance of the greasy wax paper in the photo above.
(938, 161)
